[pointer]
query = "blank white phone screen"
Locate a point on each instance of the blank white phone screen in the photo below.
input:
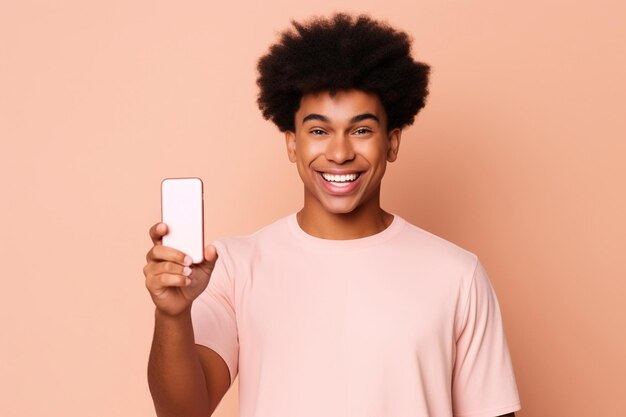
(182, 211)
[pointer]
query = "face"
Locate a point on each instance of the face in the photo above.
(341, 148)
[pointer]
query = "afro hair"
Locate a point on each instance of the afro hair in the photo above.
(340, 53)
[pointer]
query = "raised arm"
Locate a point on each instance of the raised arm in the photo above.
(185, 379)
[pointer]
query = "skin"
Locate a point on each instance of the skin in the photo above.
(185, 379)
(327, 138)
(346, 131)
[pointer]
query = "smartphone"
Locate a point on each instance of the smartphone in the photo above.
(182, 209)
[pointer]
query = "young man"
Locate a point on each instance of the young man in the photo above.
(340, 309)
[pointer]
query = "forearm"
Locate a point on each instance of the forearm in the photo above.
(175, 375)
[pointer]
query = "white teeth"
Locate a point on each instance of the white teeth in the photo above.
(340, 178)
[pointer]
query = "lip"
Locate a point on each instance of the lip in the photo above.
(339, 190)
(339, 172)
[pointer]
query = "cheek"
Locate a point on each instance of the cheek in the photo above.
(307, 152)
(303, 164)
(374, 153)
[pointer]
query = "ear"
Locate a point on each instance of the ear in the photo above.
(290, 141)
(394, 144)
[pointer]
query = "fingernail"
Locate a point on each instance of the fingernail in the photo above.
(187, 260)
(186, 270)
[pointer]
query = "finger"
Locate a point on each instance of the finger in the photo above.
(210, 258)
(210, 254)
(170, 280)
(166, 267)
(157, 231)
(159, 253)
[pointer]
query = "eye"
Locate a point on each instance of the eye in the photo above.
(317, 132)
(362, 131)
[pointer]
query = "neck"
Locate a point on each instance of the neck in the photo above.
(365, 220)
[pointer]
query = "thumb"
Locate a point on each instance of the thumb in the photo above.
(210, 254)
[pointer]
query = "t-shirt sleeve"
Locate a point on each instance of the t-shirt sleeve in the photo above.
(483, 381)
(213, 314)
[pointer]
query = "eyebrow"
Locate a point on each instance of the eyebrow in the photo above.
(355, 119)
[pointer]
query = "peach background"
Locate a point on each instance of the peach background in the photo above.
(518, 156)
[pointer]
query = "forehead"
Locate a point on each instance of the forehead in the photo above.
(343, 105)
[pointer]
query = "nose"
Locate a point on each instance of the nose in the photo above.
(339, 149)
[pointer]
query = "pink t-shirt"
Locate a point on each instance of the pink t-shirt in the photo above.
(401, 323)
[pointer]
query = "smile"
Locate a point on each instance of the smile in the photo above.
(340, 178)
(339, 184)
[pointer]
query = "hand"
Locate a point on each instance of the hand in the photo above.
(171, 279)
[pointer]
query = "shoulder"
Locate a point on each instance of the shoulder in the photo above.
(247, 246)
(438, 251)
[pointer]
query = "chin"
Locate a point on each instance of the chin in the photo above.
(339, 208)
